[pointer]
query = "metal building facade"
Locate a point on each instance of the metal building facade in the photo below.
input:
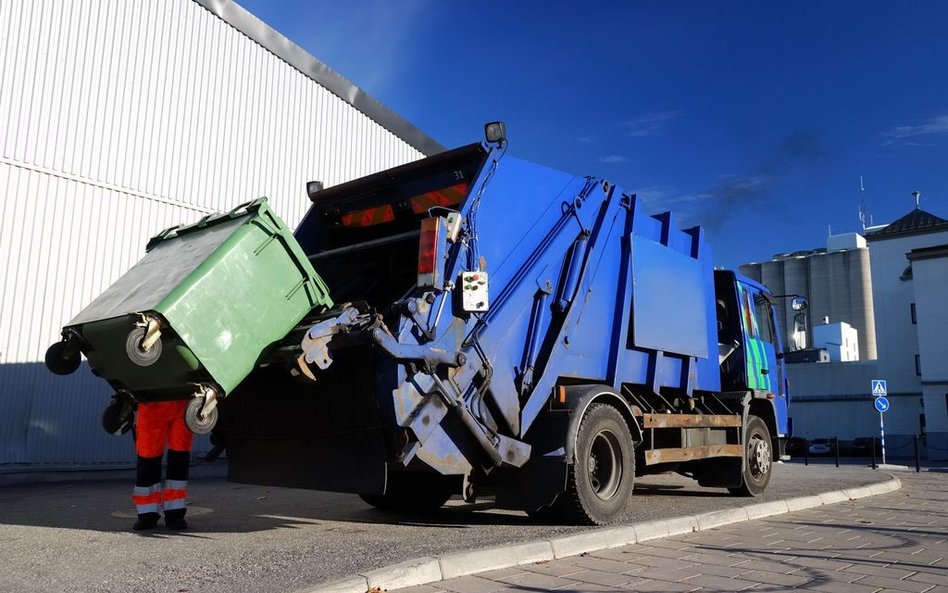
(119, 119)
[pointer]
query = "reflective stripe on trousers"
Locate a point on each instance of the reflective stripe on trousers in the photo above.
(174, 495)
(147, 499)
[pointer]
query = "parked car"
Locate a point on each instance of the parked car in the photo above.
(862, 447)
(821, 447)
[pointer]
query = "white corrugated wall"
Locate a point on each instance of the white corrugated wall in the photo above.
(117, 120)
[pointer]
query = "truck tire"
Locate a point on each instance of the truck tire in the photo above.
(601, 477)
(758, 459)
(412, 493)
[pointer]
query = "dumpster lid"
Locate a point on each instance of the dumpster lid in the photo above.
(245, 209)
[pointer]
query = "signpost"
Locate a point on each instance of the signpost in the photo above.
(879, 388)
(881, 404)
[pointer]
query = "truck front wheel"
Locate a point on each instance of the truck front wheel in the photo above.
(758, 459)
(600, 480)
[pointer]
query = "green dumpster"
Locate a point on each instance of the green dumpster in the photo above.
(192, 318)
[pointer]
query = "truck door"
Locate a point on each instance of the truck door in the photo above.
(761, 345)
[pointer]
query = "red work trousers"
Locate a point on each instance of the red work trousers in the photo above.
(157, 424)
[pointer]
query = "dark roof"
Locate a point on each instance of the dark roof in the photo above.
(916, 222)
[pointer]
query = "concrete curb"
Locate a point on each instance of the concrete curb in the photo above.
(425, 570)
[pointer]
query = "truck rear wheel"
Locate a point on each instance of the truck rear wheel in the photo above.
(600, 481)
(412, 493)
(758, 459)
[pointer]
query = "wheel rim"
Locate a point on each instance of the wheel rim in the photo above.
(192, 417)
(605, 467)
(759, 457)
(142, 358)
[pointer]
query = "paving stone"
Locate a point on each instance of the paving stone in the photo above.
(674, 575)
(721, 583)
(471, 584)
(604, 564)
(767, 563)
(628, 554)
(508, 572)
(652, 586)
(537, 580)
(422, 589)
(775, 578)
(671, 553)
(714, 559)
(940, 578)
(656, 562)
(554, 568)
(820, 563)
(599, 577)
(840, 587)
(878, 570)
(898, 585)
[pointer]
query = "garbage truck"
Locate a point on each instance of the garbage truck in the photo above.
(474, 325)
(505, 329)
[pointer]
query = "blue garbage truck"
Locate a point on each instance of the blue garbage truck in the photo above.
(504, 329)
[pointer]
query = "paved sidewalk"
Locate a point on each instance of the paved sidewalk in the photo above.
(891, 542)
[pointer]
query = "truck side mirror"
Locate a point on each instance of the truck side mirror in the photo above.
(799, 303)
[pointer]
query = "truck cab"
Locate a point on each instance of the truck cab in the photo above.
(750, 346)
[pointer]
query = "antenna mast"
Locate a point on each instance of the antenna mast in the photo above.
(863, 209)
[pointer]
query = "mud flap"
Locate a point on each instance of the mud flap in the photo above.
(720, 472)
(533, 486)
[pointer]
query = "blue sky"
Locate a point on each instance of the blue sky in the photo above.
(753, 119)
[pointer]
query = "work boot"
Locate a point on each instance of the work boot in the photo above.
(146, 521)
(175, 520)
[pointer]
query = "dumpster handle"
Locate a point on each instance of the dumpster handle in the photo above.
(246, 207)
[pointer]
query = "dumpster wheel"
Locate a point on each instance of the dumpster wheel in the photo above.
(60, 360)
(119, 415)
(194, 420)
(137, 354)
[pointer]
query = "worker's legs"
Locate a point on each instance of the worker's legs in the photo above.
(174, 496)
(150, 430)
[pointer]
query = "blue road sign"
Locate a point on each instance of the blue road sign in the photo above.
(879, 388)
(881, 404)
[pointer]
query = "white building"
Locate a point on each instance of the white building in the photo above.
(122, 119)
(930, 279)
(908, 265)
(840, 340)
(836, 280)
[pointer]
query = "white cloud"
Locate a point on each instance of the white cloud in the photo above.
(586, 139)
(613, 158)
(650, 124)
(936, 125)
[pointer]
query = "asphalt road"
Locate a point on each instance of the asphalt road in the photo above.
(76, 536)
